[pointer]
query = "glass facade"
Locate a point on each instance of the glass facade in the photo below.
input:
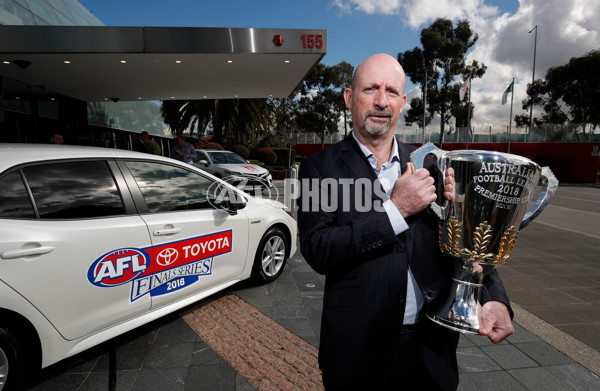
(33, 117)
(46, 13)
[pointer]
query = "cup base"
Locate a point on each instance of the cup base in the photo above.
(452, 324)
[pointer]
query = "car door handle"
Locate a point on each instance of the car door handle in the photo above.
(164, 232)
(26, 252)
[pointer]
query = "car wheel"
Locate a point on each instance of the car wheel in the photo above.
(12, 361)
(270, 256)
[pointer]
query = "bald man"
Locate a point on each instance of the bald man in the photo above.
(364, 224)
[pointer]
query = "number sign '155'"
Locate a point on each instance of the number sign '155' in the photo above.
(312, 41)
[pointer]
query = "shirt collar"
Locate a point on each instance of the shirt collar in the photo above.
(371, 158)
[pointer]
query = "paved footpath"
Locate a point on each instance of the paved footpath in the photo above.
(266, 337)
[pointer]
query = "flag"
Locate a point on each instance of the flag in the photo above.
(463, 89)
(508, 90)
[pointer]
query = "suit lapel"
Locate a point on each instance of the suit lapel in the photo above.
(351, 154)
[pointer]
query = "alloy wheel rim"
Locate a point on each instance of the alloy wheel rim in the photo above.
(3, 368)
(273, 255)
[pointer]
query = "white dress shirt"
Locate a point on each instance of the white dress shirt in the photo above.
(390, 171)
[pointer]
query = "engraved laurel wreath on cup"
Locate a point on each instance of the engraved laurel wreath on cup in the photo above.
(492, 203)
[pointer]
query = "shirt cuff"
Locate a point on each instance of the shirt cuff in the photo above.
(398, 223)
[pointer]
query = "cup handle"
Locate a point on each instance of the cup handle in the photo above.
(551, 183)
(417, 158)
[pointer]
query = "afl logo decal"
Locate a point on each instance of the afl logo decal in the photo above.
(118, 267)
(167, 257)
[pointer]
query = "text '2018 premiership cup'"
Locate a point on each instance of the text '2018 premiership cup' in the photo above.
(493, 194)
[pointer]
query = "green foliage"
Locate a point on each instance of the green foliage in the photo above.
(241, 120)
(153, 147)
(267, 156)
(321, 100)
(206, 143)
(569, 94)
(437, 65)
(241, 150)
(212, 145)
(283, 155)
(257, 162)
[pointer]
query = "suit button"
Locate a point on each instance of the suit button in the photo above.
(401, 298)
(363, 249)
(380, 243)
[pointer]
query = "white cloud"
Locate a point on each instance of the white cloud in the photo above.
(565, 29)
(385, 7)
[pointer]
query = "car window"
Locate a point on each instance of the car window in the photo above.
(168, 188)
(14, 200)
(201, 156)
(226, 158)
(70, 190)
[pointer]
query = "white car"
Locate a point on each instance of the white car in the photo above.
(233, 169)
(95, 242)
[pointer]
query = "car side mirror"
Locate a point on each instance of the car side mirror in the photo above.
(230, 203)
(203, 162)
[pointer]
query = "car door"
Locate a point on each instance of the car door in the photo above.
(195, 245)
(73, 251)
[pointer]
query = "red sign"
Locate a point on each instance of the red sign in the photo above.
(278, 40)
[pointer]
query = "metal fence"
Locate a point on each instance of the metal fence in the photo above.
(545, 134)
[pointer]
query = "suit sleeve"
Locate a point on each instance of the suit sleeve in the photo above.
(336, 240)
(493, 289)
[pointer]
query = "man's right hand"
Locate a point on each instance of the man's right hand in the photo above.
(413, 192)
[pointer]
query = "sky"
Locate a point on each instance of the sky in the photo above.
(356, 29)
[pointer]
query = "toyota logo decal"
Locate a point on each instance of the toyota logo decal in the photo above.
(167, 256)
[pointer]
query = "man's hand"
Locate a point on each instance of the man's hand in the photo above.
(413, 192)
(494, 321)
(449, 185)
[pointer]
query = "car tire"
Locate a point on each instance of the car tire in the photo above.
(12, 361)
(271, 256)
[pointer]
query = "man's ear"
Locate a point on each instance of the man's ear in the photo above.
(348, 98)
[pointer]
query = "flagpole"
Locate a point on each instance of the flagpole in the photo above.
(469, 113)
(424, 105)
(532, 81)
(512, 94)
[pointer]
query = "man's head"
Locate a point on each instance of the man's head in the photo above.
(144, 136)
(180, 140)
(377, 97)
(56, 138)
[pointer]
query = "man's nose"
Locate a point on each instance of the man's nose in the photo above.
(381, 99)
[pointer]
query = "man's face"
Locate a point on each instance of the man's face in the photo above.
(57, 139)
(377, 98)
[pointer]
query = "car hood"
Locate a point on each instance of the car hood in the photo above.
(243, 168)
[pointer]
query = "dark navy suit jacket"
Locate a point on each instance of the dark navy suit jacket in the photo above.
(365, 265)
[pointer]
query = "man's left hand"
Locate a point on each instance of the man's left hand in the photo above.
(494, 321)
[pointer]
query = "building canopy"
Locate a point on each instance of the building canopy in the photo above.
(98, 63)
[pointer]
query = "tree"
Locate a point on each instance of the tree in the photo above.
(285, 126)
(234, 121)
(569, 94)
(437, 65)
(320, 103)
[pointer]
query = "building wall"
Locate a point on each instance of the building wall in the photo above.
(46, 13)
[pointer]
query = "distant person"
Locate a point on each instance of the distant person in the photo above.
(139, 143)
(56, 138)
(183, 151)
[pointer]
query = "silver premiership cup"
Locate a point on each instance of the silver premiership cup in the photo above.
(492, 203)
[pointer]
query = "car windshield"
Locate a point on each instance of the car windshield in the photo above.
(226, 158)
